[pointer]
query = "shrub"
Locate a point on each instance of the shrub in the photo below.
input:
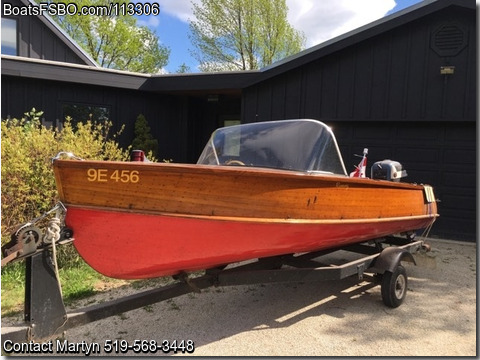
(28, 183)
(143, 138)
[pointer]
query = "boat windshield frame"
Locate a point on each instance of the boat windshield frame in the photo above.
(299, 145)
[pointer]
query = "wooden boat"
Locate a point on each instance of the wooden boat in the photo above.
(258, 190)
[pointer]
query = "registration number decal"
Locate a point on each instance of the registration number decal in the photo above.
(429, 193)
(107, 175)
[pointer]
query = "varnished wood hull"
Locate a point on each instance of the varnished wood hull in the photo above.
(137, 220)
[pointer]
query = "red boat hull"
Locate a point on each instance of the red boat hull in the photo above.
(208, 241)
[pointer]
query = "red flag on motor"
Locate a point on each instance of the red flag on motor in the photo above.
(362, 166)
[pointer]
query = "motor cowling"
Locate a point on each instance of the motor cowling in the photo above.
(388, 170)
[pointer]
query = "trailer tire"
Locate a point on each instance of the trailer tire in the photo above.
(394, 287)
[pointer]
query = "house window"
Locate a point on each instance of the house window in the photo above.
(9, 37)
(85, 112)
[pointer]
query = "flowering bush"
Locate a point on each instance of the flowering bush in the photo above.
(28, 183)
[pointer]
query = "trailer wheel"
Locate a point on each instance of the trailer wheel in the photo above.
(394, 287)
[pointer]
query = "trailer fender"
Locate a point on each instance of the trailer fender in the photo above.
(390, 258)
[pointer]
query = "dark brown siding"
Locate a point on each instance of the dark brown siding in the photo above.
(182, 124)
(167, 123)
(394, 76)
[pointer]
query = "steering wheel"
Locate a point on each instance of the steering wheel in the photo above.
(234, 162)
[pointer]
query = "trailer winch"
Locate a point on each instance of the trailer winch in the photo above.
(28, 239)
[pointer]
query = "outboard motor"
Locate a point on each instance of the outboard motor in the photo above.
(388, 170)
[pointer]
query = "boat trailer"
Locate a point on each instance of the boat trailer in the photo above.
(45, 315)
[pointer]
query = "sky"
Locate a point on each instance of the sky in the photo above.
(320, 20)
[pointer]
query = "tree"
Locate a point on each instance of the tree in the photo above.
(183, 69)
(115, 41)
(242, 34)
(143, 138)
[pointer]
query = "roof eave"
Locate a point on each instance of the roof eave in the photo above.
(68, 72)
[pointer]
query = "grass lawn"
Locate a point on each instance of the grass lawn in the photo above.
(77, 282)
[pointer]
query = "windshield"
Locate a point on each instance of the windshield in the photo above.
(301, 145)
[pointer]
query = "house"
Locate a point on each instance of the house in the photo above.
(403, 86)
(38, 37)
